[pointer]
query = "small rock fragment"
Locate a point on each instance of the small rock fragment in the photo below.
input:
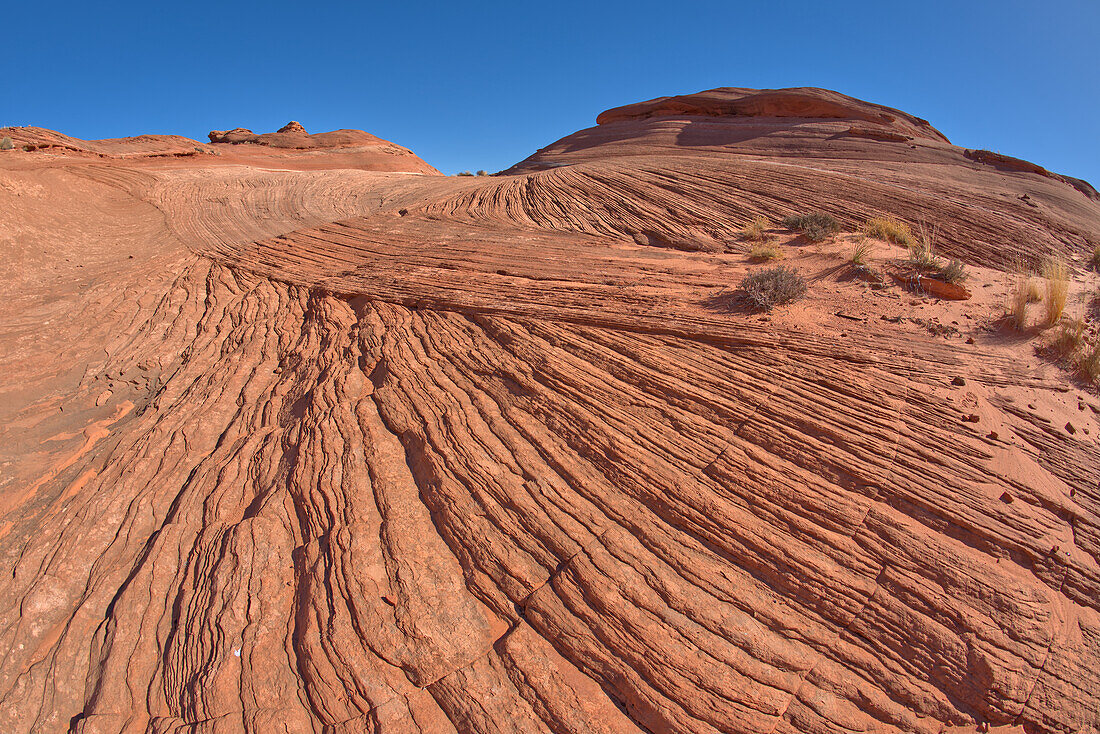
(958, 382)
(1070, 428)
(1006, 498)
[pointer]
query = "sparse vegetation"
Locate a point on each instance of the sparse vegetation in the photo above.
(922, 248)
(6, 143)
(1095, 261)
(1057, 289)
(1088, 363)
(1018, 302)
(757, 230)
(771, 287)
(765, 252)
(1070, 338)
(815, 227)
(862, 251)
(955, 272)
(483, 172)
(1033, 289)
(465, 173)
(889, 229)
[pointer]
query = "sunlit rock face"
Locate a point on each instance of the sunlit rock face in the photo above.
(298, 435)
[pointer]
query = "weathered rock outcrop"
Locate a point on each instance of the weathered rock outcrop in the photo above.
(304, 450)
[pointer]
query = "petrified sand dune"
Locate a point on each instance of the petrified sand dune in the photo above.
(352, 450)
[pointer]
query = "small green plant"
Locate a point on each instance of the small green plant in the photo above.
(1057, 289)
(765, 253)
(465, 173)
(889, 229)
(954, 272)
(757, 230)
(483, 173)
(815, 227)
(862, 252)
(771, 287)
(6, 143)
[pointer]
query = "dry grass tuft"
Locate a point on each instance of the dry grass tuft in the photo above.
(922, 249)
(1095, 261)
(1070, 338)
(771, 287)
(889, 229)
(757, 230)
(955, 272)
(764, 252)
(1018, 302)
(6, 143)
(1088, 363)
(862, 252)
(1057, 290)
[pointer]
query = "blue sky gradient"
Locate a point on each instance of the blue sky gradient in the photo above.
(483, 85)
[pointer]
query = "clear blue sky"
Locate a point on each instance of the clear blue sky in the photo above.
(484, 84)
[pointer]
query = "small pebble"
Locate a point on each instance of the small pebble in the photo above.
(958, 382)
(1070, 429)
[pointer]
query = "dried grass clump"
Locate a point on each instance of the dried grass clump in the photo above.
(955, 272)
(766, 289)
(862, 252)
(1088, 363)
(1095, 261)
(765, 253)
(922, 249)
(889, 229)
(757, 229)
(6, 143)
(1056, 276)
(465, 173)
(1070, 338)
(1018, 302)
(483, 173)
(815, 227)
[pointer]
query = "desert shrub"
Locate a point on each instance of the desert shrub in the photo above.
(465, 173)
(757, 229)
(815, 227)
(889, 229)
(1034, 290)
(1057, 289)
(954, 272)
(6, 143)
(1095, 261)
(771, 287)
(483, 172)
(1070, 338)
(765, 252)
(861, 253)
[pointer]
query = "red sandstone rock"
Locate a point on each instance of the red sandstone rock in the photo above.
(355, 450)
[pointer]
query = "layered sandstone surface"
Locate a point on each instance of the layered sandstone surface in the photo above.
(294, 440)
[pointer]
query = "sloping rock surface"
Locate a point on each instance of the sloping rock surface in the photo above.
(305, 450)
